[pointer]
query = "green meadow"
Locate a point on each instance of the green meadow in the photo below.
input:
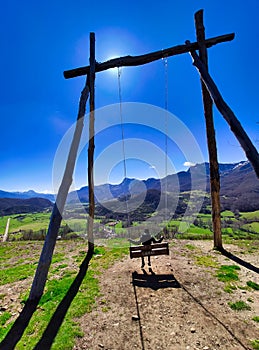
(19, 261)
(234, 226)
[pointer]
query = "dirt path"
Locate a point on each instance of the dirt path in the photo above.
(176, 305)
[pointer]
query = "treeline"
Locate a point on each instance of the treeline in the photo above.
(65, 232)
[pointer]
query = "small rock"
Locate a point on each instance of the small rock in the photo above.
(193, 330)
(101, 345)
(135, 318)
(205, 348)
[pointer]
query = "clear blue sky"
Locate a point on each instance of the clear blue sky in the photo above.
(39, 40)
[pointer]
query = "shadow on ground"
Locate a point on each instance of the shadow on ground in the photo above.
(154, 281)
(239, 261)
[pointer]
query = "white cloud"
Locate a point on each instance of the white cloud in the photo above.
(152, 167)
(189, 164)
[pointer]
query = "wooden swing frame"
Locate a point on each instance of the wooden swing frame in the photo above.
(210, 94)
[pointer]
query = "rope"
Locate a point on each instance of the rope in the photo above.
(123, 143)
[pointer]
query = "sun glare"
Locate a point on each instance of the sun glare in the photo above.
(113, 71)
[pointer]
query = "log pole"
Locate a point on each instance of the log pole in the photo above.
(211, 138)
(91, 145)
(126, 61)
(16, 331)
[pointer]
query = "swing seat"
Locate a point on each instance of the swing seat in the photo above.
(149, 250)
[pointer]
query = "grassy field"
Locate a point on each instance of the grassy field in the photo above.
(18, 263)
(25, 221)
(241, 226)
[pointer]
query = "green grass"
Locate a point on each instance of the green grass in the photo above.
(255, 344)
(4, 317)
(206, 260)
(253, 285)
(200, 234)
(239, 306)
(56, 288)
(227, 231)
(25, 221)
(190, 246)
(16, 273)
(247, 246)
(228, 273)
(254, 215)
(198, 230)
(227, 213)
(253, 226)
(255, 318)
(229, 288)
(6, 252)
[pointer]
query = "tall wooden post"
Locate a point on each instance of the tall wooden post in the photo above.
(91, 144)
(39, 281)
(211, 139)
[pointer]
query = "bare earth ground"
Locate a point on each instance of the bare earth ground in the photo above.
(176, 305)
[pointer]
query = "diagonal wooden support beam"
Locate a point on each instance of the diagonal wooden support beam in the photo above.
(227, 113)
(127, 61)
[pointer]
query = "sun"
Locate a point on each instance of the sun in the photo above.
(115, 70)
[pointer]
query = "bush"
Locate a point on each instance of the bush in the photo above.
(30, 235)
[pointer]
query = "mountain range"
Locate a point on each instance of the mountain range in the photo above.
(9, 206)
(238, 182)
(239, 188)
(27, 195)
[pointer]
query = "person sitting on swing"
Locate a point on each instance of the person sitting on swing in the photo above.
(146, 239)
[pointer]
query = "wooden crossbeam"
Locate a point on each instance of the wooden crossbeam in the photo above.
(149, 250)
(127, 61)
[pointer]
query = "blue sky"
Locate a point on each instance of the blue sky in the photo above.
(39, 40)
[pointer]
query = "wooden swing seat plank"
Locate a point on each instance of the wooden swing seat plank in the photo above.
(149, 250)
